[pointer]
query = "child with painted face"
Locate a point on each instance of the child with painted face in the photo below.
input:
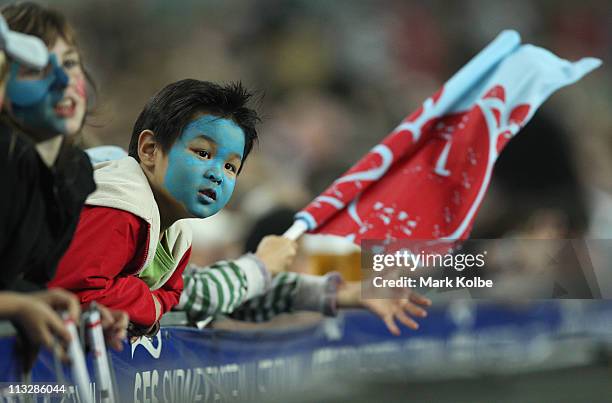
(49, 178)
(32, 313)
(52, 102)
(188, 146)
(46, 177)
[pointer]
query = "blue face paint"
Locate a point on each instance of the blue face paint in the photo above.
(199, 174)
(33, 101)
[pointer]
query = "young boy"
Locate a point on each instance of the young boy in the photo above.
(187, 148)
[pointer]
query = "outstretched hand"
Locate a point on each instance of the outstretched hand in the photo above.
(403, 309)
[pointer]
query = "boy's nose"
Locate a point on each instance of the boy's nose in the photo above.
(214, 176)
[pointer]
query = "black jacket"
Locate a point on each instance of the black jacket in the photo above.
(39, 208)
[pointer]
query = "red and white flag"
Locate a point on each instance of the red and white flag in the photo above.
(427, 179)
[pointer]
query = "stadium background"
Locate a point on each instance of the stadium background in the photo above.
(334, 78)
(338, 76)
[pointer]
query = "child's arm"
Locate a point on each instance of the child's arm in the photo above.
(99, 263)
(291, 292)
(222, 287)
(242, 289)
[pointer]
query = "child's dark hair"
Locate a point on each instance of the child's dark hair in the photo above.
(172, 108)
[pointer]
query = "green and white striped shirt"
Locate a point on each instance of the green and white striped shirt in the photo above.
(243, 290)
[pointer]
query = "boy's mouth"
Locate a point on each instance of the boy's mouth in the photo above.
(209, 195)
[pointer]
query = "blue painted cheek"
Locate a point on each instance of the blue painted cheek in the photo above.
(226, 193)
(28, 93)
(180, 178)
(41, 117)
(33, 101)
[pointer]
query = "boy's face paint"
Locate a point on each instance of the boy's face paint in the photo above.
(51, 101)
(203, 164)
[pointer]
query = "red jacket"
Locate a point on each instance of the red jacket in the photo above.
(108, 248)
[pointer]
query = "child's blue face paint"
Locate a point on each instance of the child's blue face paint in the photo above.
(33, 100)
(203, 164)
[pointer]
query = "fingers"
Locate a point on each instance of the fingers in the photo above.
(292, 249)
(58, 327)
(406, 320)
(403, 311)
(276, 252)
(118, 331)
(106, 317)
(116, 343)
(72, 306)
(55, 337)
(412, 309)
(407, 306)
(112, 318)
(115, 325)
(388, 319)
(63, 300)
(61, 352)
(419, 299)
(279, 242)
(399, 314)
(275, 241)
(291, 252)
(45, 338)
(121, 320)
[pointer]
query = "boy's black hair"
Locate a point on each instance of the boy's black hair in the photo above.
(168, 112)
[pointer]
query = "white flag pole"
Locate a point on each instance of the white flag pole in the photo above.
(297, 229)
(80, 376)
(95, 335)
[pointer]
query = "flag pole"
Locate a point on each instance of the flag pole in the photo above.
(102, 365)
(80, 376)
(297, 229)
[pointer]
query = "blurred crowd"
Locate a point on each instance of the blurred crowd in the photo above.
(335, 77)
(332, 79)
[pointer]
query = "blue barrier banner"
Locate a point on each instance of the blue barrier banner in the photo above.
(186, 364)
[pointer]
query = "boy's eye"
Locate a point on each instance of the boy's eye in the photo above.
(231, 167)
(203, 153)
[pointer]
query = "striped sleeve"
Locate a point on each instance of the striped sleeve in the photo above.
(222, 287)
(243, 290)
(291, 292)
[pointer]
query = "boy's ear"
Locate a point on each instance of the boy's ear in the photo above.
(147, 147)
